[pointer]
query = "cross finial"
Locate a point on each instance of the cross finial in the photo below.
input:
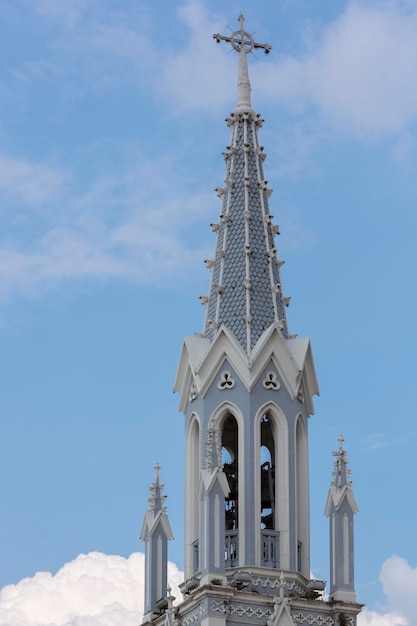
(341, 440)
(241, 39)
(243, 42)
(157, 467)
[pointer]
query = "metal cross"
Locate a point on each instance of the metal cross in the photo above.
(341, 440)
(241, 39)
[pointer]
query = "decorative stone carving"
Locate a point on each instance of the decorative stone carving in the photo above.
(213, 325)
(301, 618)
(193, 392)
(226, 381)
(195, 616)
(213, 438)
(241, 610)
(271, 382)
(219, 605)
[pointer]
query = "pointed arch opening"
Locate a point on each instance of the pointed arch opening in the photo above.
(267, 486)
(302, 500)
(192, 513)
(272, 512)
(230, 460)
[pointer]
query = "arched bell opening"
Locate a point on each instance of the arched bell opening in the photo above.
(267, 486)
(302, 500)
(268, 493)
(271, 488)
(192, 516)
(230, 461)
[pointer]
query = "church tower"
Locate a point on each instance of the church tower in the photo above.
(246, 388)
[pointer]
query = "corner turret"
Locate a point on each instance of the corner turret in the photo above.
(156, 531)
(340, 508)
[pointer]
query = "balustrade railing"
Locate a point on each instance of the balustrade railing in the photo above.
(270, 548)
(232, 548)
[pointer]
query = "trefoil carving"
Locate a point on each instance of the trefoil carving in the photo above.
(226, 381)
(271, 382)
(193, 392)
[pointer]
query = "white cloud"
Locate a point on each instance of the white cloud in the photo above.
(97, 589)
(399, 581)
(373, 618)
(359, 73)
(92, 590)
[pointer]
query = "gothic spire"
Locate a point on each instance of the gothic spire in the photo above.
(245, 291)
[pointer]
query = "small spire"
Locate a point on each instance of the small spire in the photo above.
(340, 508)
(243, 43)
(156, 499)
(156, 531)
(341, 473)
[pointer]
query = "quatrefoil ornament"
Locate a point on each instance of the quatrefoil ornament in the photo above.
(226, 381)
(271, 382)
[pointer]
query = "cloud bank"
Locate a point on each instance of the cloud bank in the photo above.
(94, 589)
(97, 589)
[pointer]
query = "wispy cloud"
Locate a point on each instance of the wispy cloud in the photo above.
(358, 72)
(381, 441)
(66, 12)
(135, 225)
(28, 182)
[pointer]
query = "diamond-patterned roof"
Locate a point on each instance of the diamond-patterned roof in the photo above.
(245, 291)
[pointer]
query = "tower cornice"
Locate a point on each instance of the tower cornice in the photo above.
(201, 361)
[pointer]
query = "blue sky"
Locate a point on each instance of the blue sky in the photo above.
(111, 133)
